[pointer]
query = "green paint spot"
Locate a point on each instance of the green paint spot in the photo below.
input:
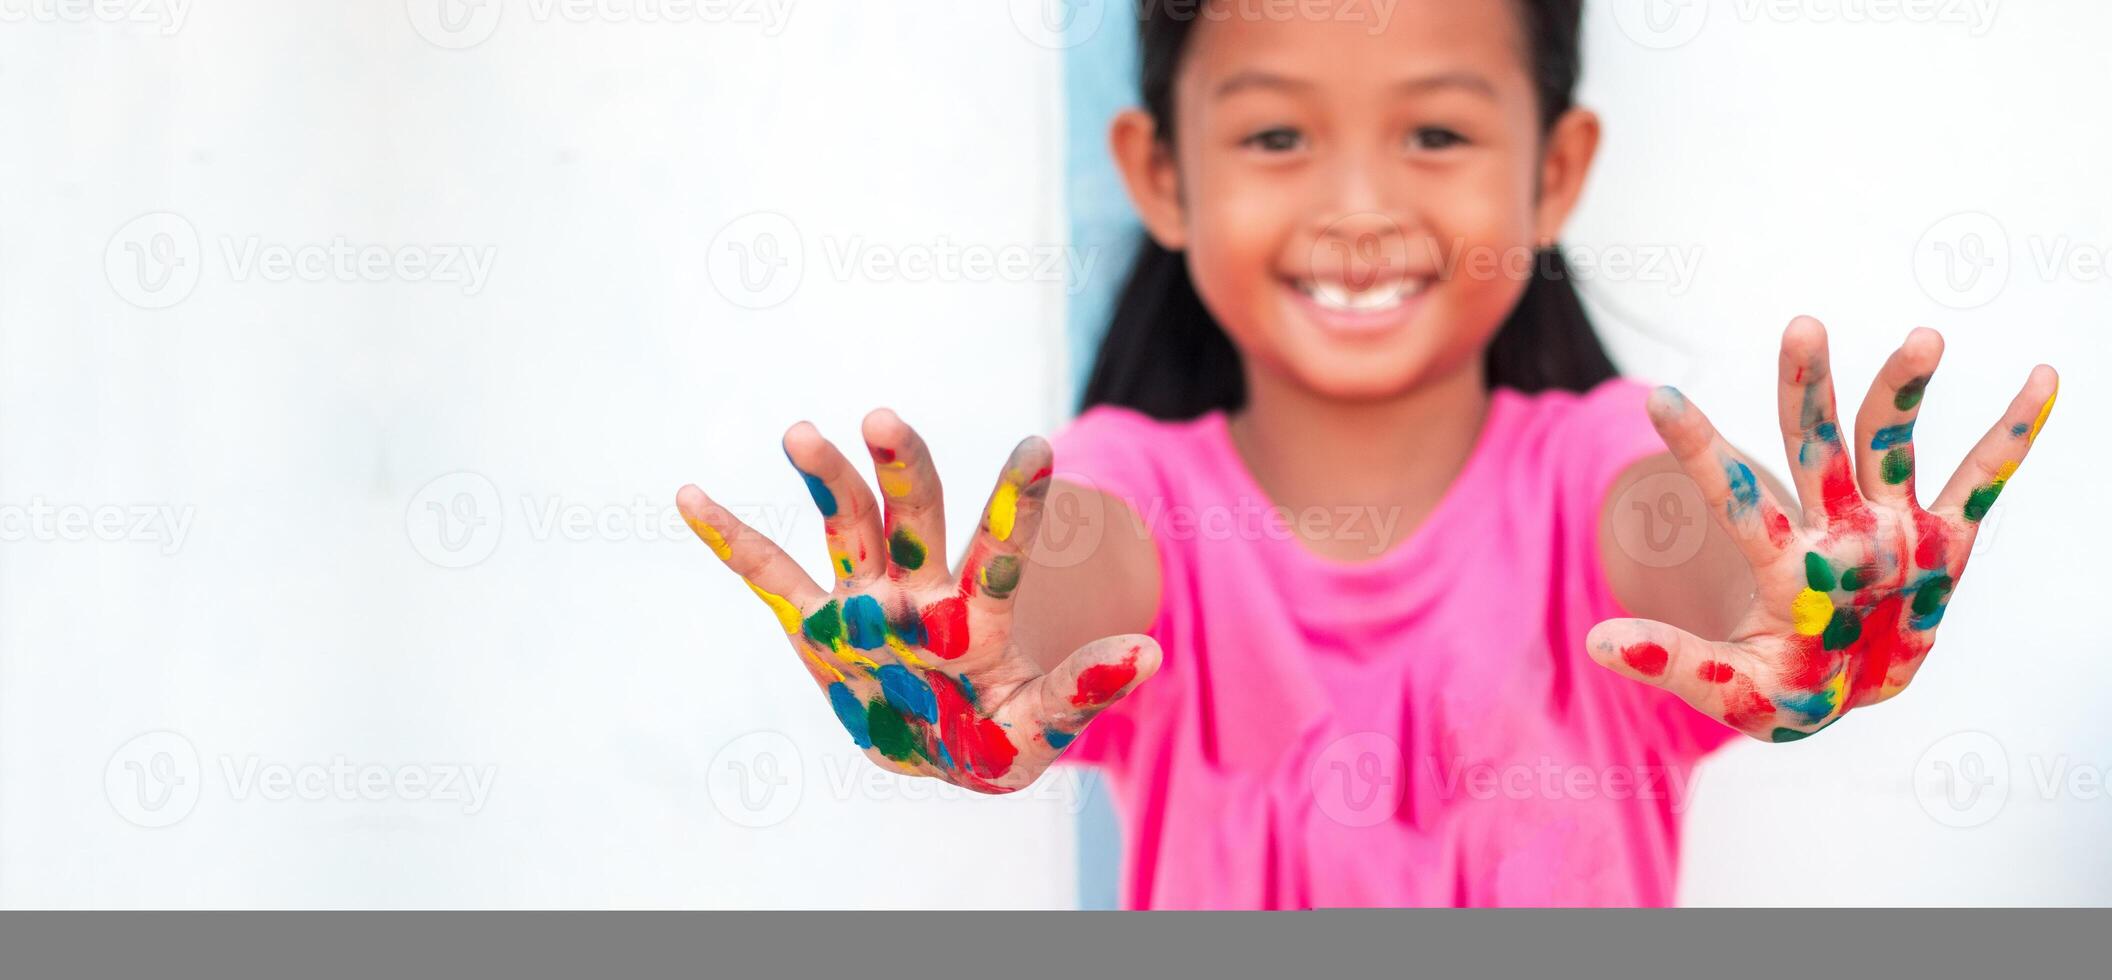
(1910, 394)
(1852, 579)
(1841, 630)
(1001, 576)
(844, 566)
(826, 625)
(1932, 594)
(905, 549)
(1898, 466)
(1817, 572)
(1789, 735)
(1977, 505)
(890, 733)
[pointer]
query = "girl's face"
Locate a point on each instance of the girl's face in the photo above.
(1360, 206)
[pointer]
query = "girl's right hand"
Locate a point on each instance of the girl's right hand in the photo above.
(917, 662)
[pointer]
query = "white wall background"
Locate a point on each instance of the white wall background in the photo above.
(1805, 155)
(595, 676)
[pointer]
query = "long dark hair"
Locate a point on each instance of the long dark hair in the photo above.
(1165, 355)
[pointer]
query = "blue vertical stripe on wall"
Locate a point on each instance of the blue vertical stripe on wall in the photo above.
(1099, 78)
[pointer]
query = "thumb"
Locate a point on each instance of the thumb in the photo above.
(1703, 673)
(1094, 676)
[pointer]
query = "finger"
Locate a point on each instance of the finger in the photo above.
(850, 519)
(915, 521)
(1741, 503)
(1716, 678)
(1884, 426)
(802, 608)
(997, 556)
(1988, 467)
(1055, 707)
(1811, 430)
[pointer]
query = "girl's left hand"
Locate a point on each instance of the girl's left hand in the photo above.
(1845, 608)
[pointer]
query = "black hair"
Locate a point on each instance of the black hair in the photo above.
(1164, 355)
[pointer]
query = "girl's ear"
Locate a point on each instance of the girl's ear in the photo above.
(1148, 171)
(1571, 146)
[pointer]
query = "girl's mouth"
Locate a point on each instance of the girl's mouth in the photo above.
(1376, 307)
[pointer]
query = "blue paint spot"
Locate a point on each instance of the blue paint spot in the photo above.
(908, 626)
(968, 690)
(1058, 740)
(851, 713)
(1892, 435)
(1745, 492)
(1814, 706)
(908, 692)
(865, 623)
(816, 489)
(1929, 621)
(1826, 432)
(2020, 430)
(945, 757)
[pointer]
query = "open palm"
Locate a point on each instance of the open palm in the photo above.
(1846, 607)
(918, 662)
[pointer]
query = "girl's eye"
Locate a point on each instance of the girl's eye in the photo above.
(1279, 140)
(1436, 138)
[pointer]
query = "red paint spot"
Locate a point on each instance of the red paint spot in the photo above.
(946, 627)
(1040, 474)
(1928, 546)
(1646, 658)
(1799, 379)
(1745, 708)
(1778, 529)
(883, 454)
(1880, 645)
(978, 746)
(1807, 664)
(1716, 672)
(1844, 503)
(1100, 683)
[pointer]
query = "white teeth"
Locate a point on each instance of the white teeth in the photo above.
(1383, 296)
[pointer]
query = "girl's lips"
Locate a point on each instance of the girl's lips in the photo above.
(1344, 319)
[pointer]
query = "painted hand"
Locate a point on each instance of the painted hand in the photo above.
(1845, 608)
(918, 663)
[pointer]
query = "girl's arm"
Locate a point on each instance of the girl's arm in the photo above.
(1094, 573)
(1832, 612)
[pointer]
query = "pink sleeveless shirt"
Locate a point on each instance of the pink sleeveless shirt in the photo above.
(1423, 728)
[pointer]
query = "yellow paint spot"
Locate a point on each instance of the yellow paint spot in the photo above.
(841, 559)
(902, 650)
(1810, 611)
(849, 655)
(711, 537)
(894, 479)
(2004, 472)
(820, 664)
(2044, 410)
(787, 613)
(1837, 690)
(1004, 507)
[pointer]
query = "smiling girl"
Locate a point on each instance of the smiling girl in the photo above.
(1352, 302)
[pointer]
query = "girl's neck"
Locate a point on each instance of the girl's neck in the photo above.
(1399, 455)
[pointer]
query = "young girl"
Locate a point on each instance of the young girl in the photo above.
(1358, 493)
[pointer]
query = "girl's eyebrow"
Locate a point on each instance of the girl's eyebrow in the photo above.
(1254, 78)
